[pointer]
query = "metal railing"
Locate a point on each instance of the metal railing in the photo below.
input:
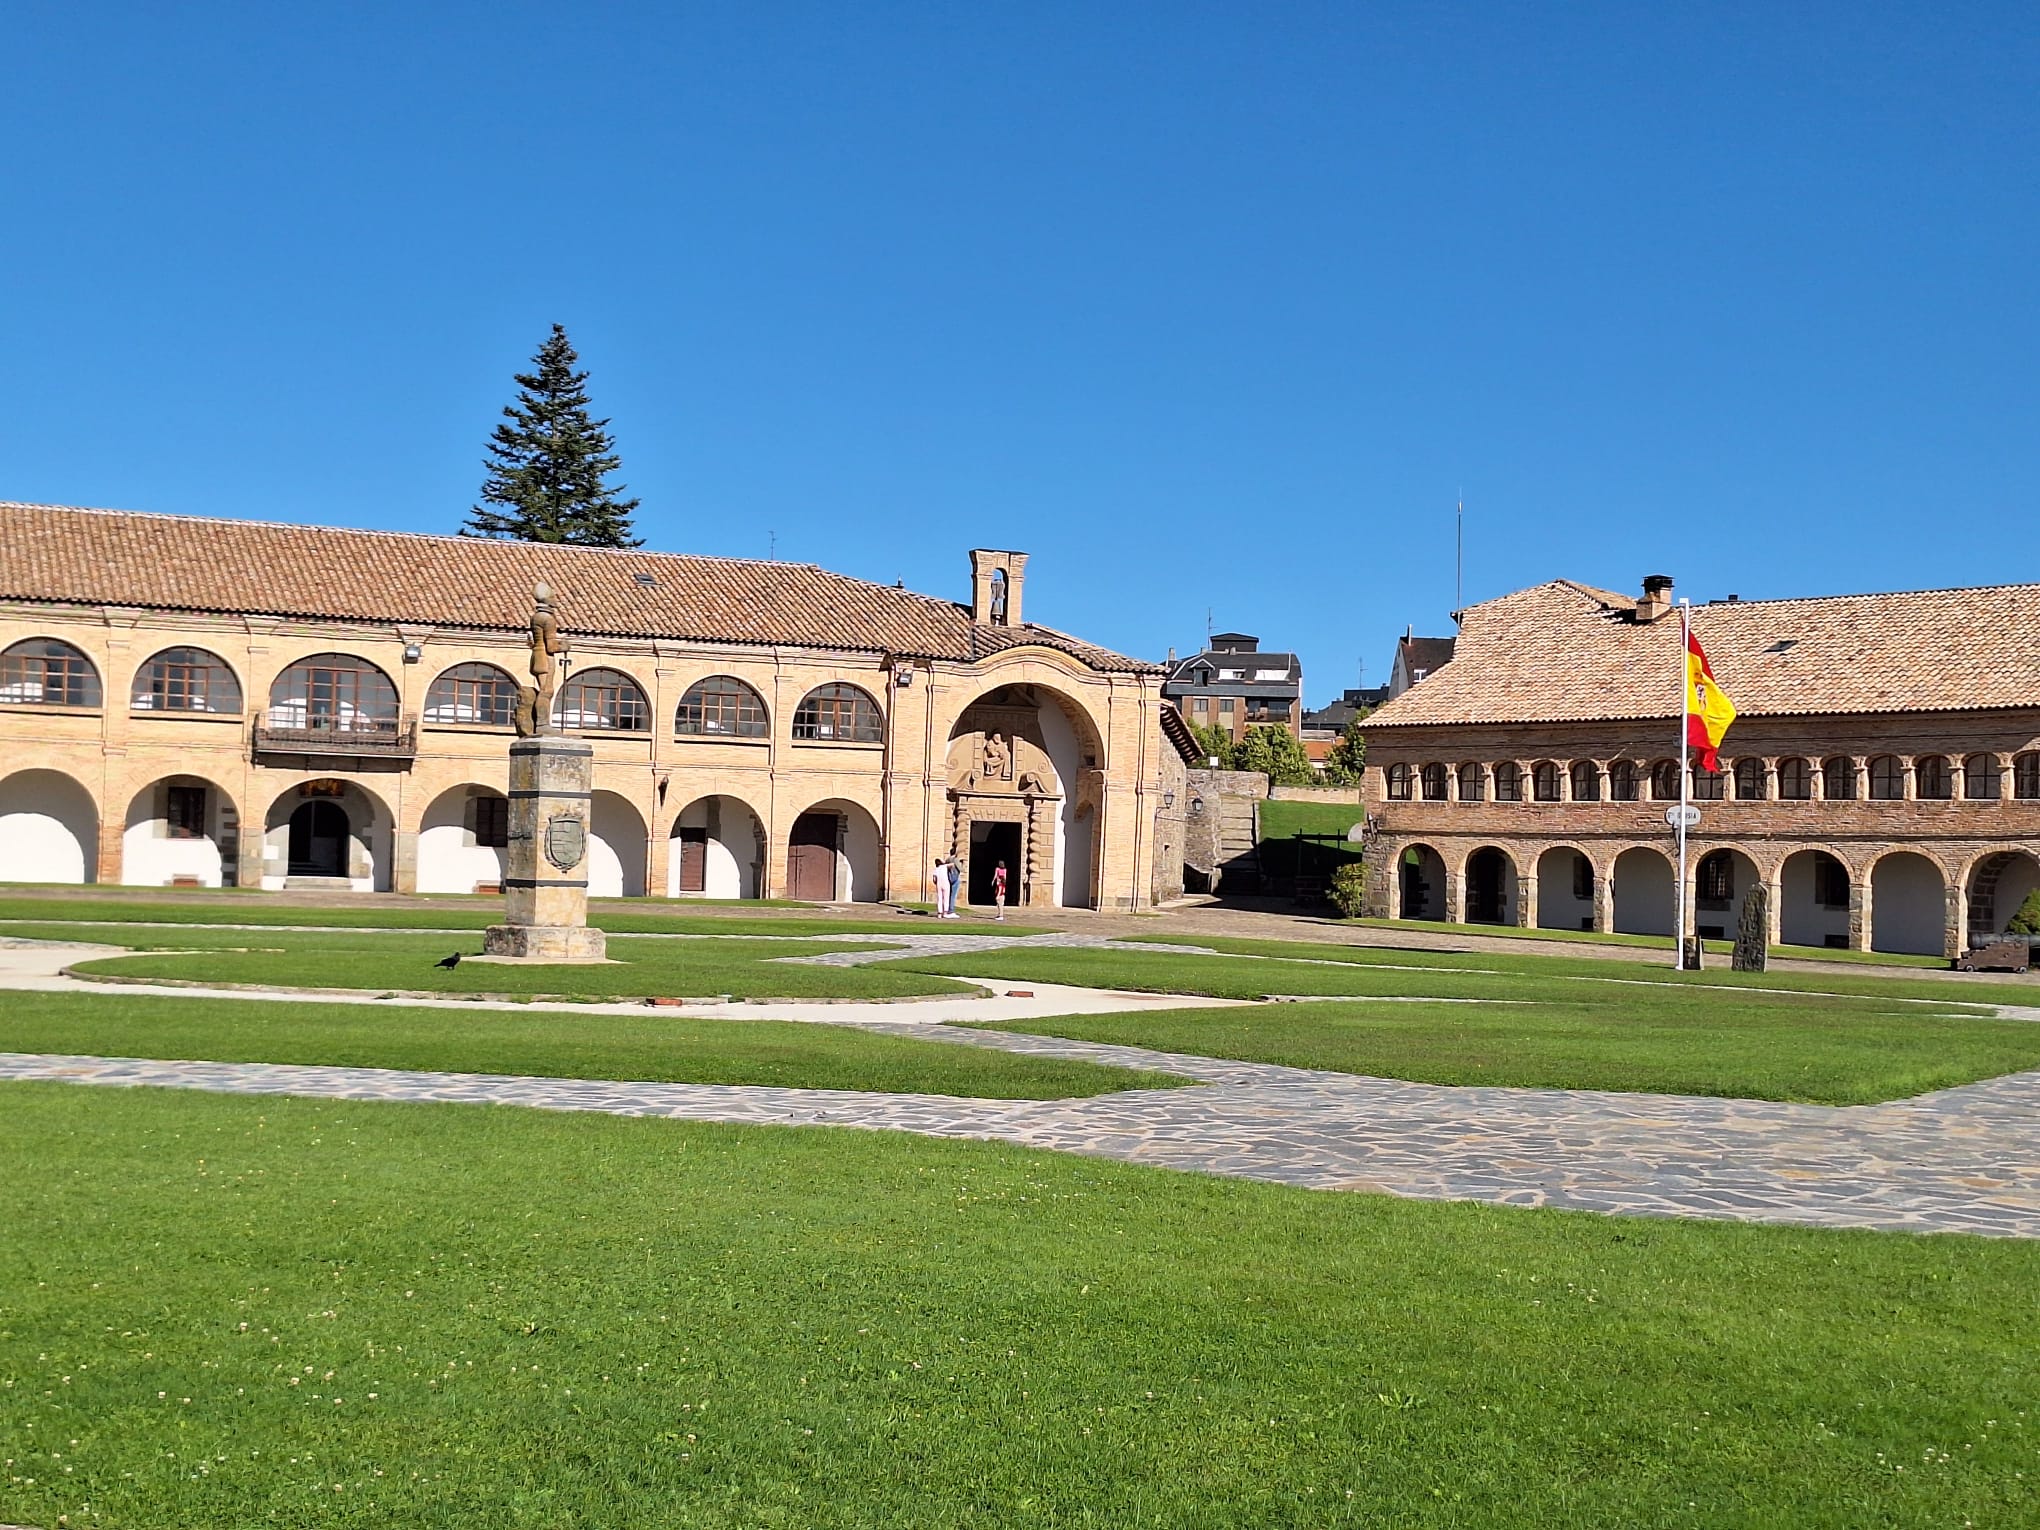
(384, 737)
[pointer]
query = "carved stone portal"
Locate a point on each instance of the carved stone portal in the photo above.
(999, 772)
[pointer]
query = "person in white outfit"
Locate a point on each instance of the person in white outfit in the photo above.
(939, 880)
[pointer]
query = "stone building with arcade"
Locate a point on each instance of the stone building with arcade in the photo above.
(1882, 781)
(205, 702)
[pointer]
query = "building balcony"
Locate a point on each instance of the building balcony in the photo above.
(351, 737)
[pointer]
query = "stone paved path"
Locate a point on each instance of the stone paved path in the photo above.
(1963, 1160)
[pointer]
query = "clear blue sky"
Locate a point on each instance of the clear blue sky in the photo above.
(1206, 306)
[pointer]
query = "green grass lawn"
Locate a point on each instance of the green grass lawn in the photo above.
(381, 960)
(1279, 820)
(1821, 1051)
(221, 1312)
(656, 1046)
(457, 913)
(1653, 942)
(1550, 1022)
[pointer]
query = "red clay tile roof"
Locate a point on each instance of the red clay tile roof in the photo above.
(193, 563)
(1565, 652)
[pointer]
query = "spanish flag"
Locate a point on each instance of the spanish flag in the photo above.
(1708, 709)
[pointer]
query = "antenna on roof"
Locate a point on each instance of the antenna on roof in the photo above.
(1207, 626)
(772, 545)
(1459, 559)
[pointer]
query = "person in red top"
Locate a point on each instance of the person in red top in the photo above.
(999, 889)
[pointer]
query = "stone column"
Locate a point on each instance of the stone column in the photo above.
(1859, 913)
(545, 890)
(1452, 892)
(1526, 900)
(1604, 899)
(404, 861)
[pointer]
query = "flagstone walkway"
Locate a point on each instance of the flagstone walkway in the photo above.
(1962, 1160)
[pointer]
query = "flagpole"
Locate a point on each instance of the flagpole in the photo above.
(1685, 776)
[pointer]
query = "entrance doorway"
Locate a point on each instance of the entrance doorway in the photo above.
(693, 860)
(1486, 887)
(318, 840)
(811, 857)
(991, 843)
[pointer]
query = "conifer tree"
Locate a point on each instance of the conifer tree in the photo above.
(548, 461)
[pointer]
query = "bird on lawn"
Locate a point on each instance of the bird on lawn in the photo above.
(450, 962)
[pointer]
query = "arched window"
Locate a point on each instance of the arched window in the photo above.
(1982, 780)
(1714, 880)
(1544, 782)
(185, 680)
(1708, 785)
(839, 713)
(333, 693)
(44, 672)
(1509, 781)
(723, 707)
(1664, 781)
(1586, 781)
(1838, 779)
(1472, 782)
(1400, 777)
(1795, 781)
(1933, 781)
(1622, 780)
(2026, 776)
(472, 693)
(1749, 780)
(1887, 779)
(604, 700)
(1434, 783)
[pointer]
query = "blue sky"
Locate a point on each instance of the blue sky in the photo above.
(1208, 307)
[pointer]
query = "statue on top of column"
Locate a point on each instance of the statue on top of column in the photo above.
(535, 701)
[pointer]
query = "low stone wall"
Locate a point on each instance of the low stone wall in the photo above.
(1349, 794)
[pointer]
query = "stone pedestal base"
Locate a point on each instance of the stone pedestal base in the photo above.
(545, 942)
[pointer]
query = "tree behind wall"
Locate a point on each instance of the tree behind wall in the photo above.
(1346, 760)
(1277, 753)
(548, 462)
(1214, 743)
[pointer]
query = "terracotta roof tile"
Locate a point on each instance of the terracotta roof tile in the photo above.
(1565, 652)
(192, 563)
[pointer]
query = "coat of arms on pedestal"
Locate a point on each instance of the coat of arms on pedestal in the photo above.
(566, 840)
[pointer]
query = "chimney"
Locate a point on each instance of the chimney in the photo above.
(1657, 598)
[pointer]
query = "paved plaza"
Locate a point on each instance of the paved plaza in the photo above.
(1960, 1160)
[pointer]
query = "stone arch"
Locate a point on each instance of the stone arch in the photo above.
(304, 841)
(717, 849)
(1722, 877)
(1419, 883)
(181, 831)
(1492, 890)
(1644, 892)
(49, 829)
(619, 846)
(463, 840)
(1908, 904)
(1813, 899)
(1565, 892)
(1993, 887)
(832, 854)
(1026, 785)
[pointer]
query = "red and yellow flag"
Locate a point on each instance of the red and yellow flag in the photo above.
(1708, 709)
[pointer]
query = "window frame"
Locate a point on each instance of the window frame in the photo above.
(808, 724)
(151, 691)
(1749, 772)
(1587, 772)
(1992, 776)
(1933, 779)
(1664, 781)
(744, 699)
(1708, 785)
(1545, 777)
(179, 822)
(2026, 775)
(1398, 782)
(1795, 779)
(1887, 771)
(457, 678)
(1472, 781)
(1432, 782)
(20, 668)
(1622, 781)
(1508, 777)
(621, 703)
(489, 817)
(1840, 767)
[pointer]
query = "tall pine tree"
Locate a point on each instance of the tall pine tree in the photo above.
(547, 462)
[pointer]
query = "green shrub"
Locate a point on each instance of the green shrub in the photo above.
(2027, 920)
(1347, 889)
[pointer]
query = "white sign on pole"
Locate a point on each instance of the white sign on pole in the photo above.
(1684, 816)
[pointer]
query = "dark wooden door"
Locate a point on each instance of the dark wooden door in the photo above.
(811, 857)
(318, 840)
(693, 860)
(1000, 843)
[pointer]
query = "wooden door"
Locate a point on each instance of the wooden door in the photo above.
(811, 857)
(693, 860)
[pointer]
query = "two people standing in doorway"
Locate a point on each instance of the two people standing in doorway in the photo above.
(946, 879)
